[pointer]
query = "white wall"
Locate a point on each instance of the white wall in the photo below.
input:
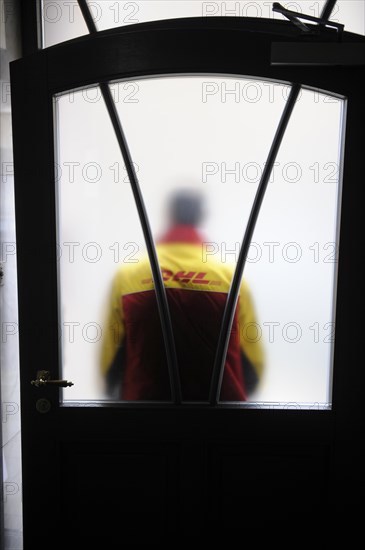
(11, 498)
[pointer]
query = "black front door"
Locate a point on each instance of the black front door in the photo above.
(101, 469)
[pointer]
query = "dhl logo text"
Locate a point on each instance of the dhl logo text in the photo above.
(194, 277)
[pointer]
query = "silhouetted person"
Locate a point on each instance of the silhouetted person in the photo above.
(133, 356)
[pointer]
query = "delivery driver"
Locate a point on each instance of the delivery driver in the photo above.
(133, 360)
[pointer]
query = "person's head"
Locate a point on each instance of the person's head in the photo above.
(186, 207)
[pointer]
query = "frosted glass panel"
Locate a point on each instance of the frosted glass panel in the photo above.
(98, 230)
(202, 141)
(294, 254)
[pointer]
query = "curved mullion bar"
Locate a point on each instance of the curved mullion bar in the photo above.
(327, 9)
(230, 307)
(161, 297)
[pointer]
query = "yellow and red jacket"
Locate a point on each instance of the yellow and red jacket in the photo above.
(196, 292)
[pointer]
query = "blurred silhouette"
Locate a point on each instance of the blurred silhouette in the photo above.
(133, 360)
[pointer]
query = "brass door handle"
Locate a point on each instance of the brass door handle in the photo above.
(44, 379)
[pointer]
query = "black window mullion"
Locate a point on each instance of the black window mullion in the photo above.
(230, 307)
(161, 297)
(327, 9)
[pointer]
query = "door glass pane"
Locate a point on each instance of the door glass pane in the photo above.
(62, 19)
(98, 231)
(294, 256)
(194, 134)
(199, 145)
